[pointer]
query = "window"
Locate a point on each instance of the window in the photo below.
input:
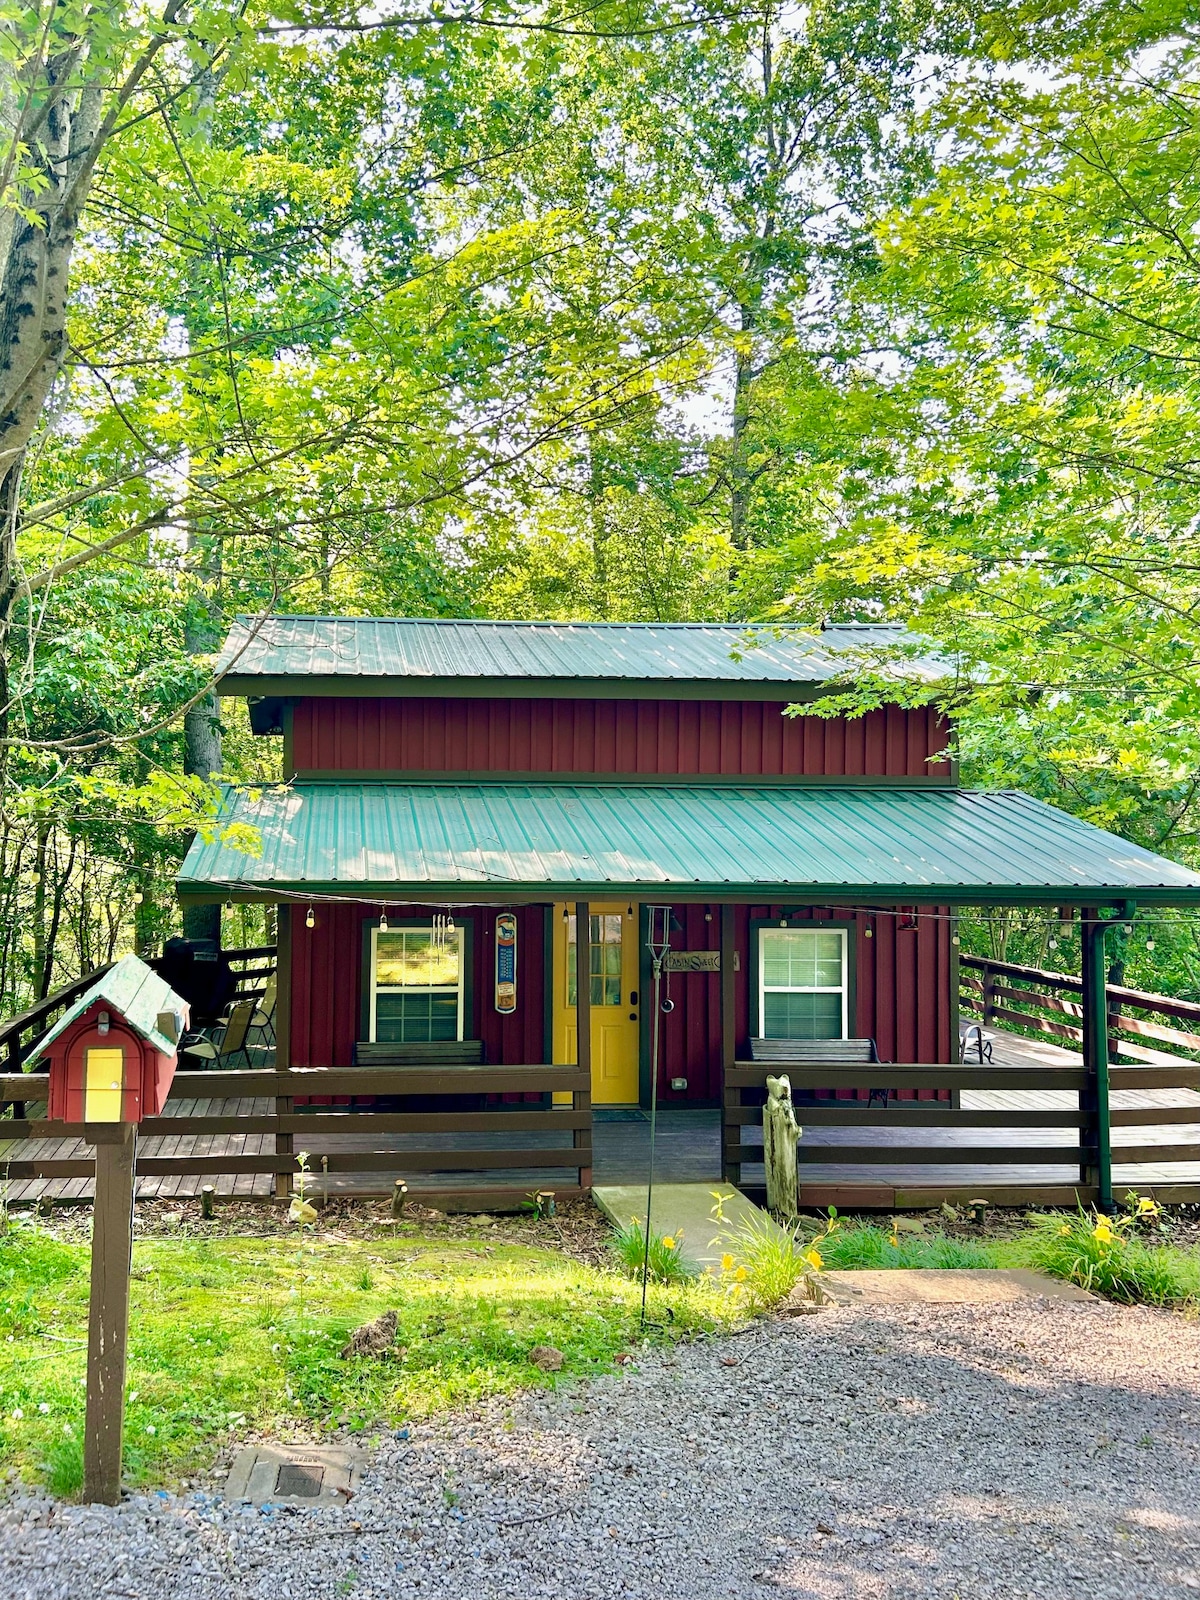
(802, 983)
(605, 952)
(416, 990)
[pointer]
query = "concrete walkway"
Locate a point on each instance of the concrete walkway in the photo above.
(687, 1210)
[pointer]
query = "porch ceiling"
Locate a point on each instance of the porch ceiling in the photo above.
(509, 842)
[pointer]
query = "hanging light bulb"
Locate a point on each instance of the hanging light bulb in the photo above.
(1149, 944)
(137, 897)
(383, 922)
(229, 905)
(566, 916)
(310, 918)
(629, 909)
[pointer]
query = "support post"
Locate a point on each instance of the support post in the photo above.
(583, 1035)
(1095, 1055)
(108, 1314)
(730, 1097)
(284, 1104)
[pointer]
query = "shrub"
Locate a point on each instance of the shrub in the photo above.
(667, 1263)
(1105, 1254)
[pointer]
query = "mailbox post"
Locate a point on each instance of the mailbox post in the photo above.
(112, 1057)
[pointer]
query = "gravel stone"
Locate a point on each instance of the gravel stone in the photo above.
(1039, 1449)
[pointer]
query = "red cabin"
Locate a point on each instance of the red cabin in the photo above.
(459, 793)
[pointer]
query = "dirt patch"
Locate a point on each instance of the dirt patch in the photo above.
(578, 1229)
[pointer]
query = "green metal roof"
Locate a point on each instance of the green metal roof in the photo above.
(497, 841)
(398, 655)
(138, 993)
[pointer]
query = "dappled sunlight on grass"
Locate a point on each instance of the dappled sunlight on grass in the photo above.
(235, 1334)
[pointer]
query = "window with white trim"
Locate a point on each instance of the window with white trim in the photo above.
(802, 988)
(416, 986)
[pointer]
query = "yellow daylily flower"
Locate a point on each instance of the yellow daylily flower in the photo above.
(726, 1262)
(741, 1274)
(815, 1259)
(1103, 1230)
(669, 1241)
(1147, 1207)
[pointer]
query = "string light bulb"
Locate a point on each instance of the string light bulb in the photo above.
(310, 918)
(1149, 944)
(383, 922)
(137, 897)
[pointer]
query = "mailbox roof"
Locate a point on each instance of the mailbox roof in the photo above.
(136, 993)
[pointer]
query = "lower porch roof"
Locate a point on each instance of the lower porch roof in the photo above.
(510, 842)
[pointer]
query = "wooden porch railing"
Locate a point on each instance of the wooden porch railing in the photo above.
(435, 1174)
(745, 1082)
(252, 968)
(1034, 1001)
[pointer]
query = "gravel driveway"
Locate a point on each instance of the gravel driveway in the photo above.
(1037, 1449)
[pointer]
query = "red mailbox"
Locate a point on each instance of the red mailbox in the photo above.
(113, 1055)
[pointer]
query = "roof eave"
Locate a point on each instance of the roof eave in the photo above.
(868, 895)
(328, 686)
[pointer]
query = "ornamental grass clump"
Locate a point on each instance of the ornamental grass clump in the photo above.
(764, 1260)
(1109, 1255)
(666, 1262)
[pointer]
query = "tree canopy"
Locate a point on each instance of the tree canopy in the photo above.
(864, 310)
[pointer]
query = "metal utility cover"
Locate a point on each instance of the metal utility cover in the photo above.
(294, 1475)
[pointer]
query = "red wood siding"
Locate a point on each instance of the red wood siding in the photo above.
(652, 736)
(328, 977)
(903, 990)
(902, 994)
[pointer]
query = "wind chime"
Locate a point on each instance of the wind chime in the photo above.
(445, 935)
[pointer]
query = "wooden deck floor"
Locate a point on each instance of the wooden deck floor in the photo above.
(688, 1148)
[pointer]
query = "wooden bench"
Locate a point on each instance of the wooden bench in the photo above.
(820, 1052)
(436, 1053)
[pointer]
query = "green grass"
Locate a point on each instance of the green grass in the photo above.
(1128, 1269)
(234, 1334)
(865, 1245)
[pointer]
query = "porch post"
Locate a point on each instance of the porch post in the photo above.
(1092, 930)
(731, 1098)
(583, 1035)
(283, 1038)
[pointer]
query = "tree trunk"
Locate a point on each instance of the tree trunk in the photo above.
(202, 748)
(739, 469)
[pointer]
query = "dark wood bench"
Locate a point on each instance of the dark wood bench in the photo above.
(820, 1052)
(802, 1052)
(438, 1053)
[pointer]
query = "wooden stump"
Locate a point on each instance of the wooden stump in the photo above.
(781, 1134)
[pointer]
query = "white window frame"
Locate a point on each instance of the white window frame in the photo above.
(843, 988)
(387, 988)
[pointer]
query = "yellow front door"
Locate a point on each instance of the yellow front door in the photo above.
(615, 997)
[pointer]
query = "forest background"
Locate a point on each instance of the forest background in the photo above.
(637, 309)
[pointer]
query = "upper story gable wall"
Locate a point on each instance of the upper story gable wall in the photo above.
(728, 738)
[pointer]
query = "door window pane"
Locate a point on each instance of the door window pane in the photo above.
(604, 964)
(802, 983)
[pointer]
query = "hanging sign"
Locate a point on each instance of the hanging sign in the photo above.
(693, 961)
(506, 963)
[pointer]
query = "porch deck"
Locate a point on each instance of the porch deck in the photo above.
(688, 1151)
